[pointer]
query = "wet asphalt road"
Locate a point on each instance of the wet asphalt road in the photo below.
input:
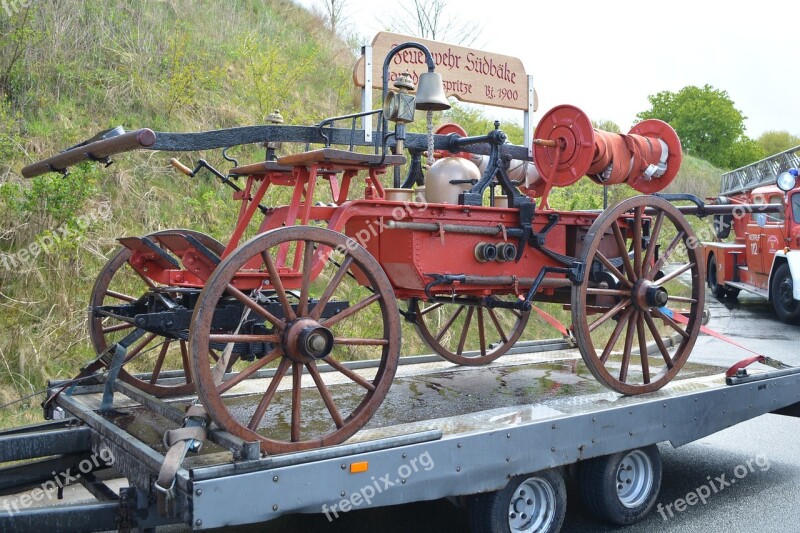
(765, 500)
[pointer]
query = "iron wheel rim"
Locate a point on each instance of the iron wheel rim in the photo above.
(532, 507)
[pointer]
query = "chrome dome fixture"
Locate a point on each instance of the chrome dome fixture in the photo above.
(787, 180)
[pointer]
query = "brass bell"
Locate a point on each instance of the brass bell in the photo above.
(430, 93)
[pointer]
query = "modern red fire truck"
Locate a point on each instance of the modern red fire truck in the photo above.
(763, 258)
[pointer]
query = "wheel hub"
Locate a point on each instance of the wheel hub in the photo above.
(532, 507)
(786, 292)
(307, 340)
(647, 294)
(634, 479)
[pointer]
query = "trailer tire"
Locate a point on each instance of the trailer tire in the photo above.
(786, 307)
(621, 488)
(533, 503)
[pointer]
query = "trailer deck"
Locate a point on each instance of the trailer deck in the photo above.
(443, 431)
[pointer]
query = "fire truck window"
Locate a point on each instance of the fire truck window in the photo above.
(775, 218)
(796, 208)
(757, 200)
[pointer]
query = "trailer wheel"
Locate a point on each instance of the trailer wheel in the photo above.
(117, 283)
(621, 488)
(786, 307)
(719, 291)
(530, 503)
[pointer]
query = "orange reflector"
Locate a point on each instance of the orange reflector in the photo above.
(357, 468)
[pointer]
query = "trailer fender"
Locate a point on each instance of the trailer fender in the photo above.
(793, 258)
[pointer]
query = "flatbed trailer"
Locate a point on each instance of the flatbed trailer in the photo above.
(444, 431)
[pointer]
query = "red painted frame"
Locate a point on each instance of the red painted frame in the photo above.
(407, 256)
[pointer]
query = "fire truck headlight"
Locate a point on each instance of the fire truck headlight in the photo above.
(786, 181)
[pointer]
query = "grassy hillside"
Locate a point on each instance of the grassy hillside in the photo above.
(70, 69)
(697, 176)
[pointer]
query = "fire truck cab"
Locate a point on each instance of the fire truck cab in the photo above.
(763, 257)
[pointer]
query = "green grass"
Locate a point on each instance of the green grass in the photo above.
(87, 66)
(698, 177)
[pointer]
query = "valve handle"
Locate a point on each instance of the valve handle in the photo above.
(181, 167)
(545, 142)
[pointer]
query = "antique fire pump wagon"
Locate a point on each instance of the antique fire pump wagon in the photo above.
(278, 346)
(332, 273)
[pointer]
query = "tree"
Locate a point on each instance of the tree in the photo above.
(743, 152)
(334, 12)
(606, 125)
(774, 142)
(476, 122)
(427, 19)
(706, 120)
(16, 37)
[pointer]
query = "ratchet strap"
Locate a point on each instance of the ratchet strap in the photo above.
(678, 317)
(553, 321)
(188, 438)
(756, 358)
(769, 361)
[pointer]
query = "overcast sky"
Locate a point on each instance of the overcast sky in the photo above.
(607, 57)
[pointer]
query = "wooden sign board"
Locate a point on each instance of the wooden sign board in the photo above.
(469, 75)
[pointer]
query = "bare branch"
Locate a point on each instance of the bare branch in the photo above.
(428, 19)
(334, 12)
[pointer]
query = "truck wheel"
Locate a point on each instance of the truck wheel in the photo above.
(117, 284)
(446, 328)
(621, 488)
(719, 291)
(638, 297)
(786, 307)
(530, 503)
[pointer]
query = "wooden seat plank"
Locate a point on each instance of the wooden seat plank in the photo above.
(262, 167)
(340, 157)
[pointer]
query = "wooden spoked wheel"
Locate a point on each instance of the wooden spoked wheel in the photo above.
(466, 334)
(119, 284)
(627, 299)
(328, 300)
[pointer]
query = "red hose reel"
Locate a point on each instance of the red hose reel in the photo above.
(567, 147)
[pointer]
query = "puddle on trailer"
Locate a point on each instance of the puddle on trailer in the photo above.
(518, 388)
